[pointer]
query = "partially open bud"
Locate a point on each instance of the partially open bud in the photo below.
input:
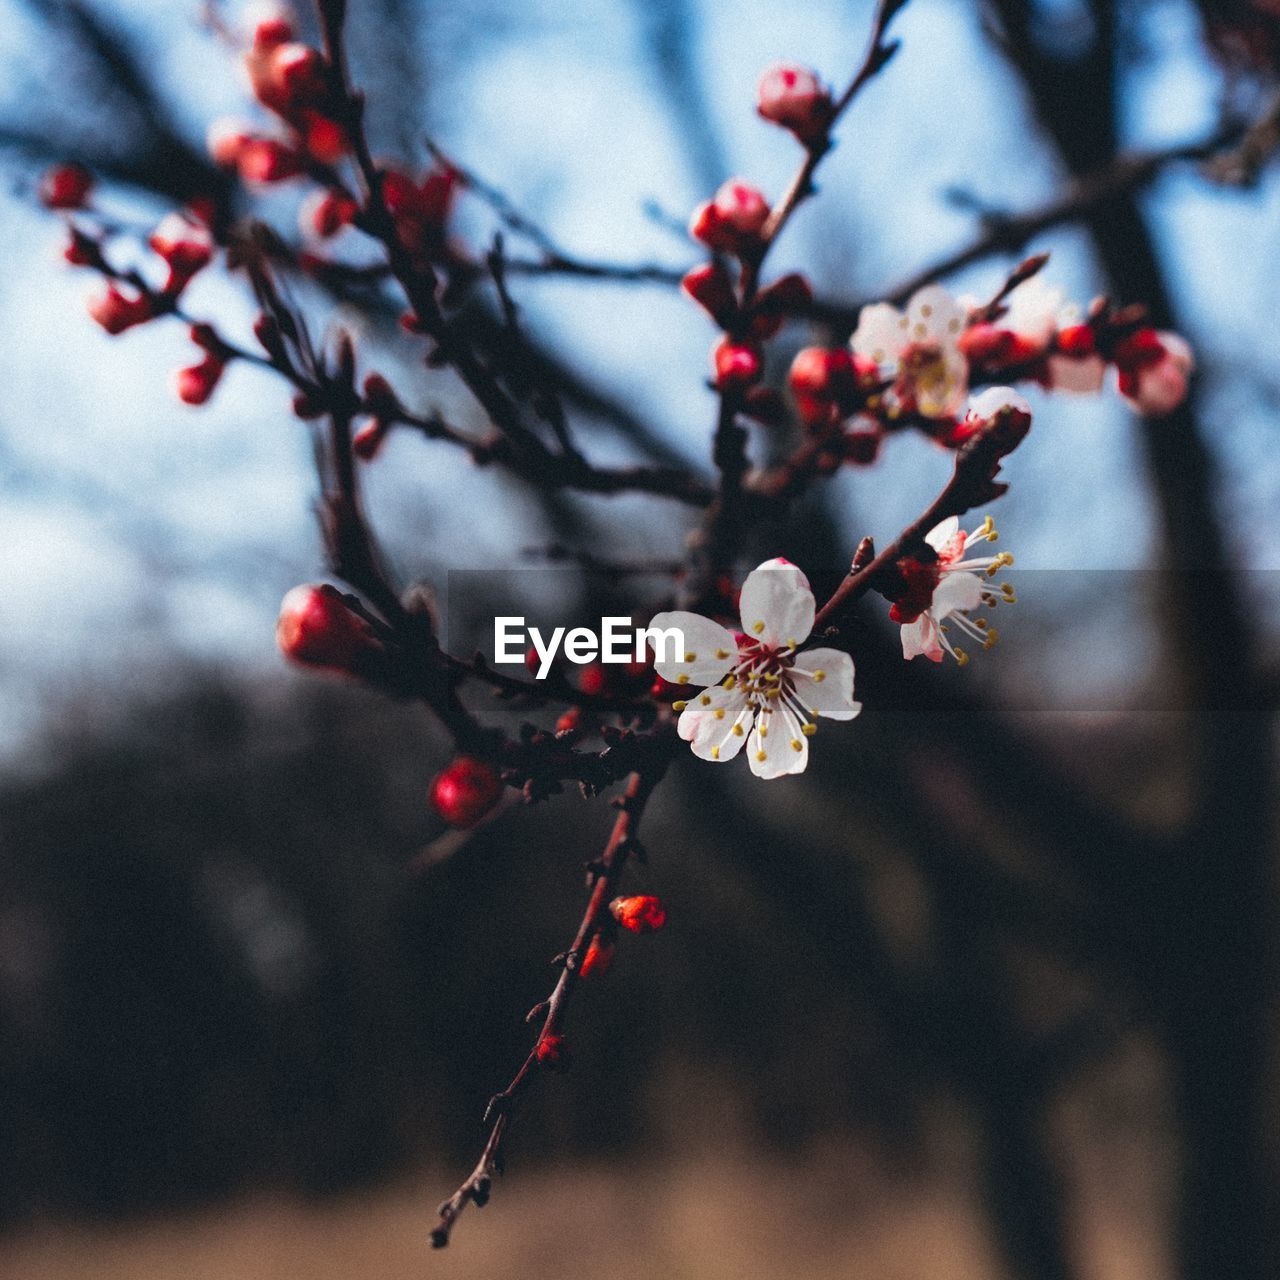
(465, 791)
(1154, 370)
(1000, 412)
(598, 959)
(710, 287)
(317, 628)
(641, 914)
(732, 221)
(226, 140)
(794, 97)
(116, 311)
(736, 364)
(65, 186)
(286, 77)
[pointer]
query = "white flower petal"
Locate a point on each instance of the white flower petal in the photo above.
(777, 604)
(709, 652)
(772, 749)
(699, 719)
(940, 536)
(960, 590)
(1034, 308)
(827, 689)
(933, 315)
(881, 333)
(986, 404)
(722, 729)
(921, 638)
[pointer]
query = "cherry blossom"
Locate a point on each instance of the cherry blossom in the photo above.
(1154, 369)
(760, 690)
(939, 593)
(919, 349)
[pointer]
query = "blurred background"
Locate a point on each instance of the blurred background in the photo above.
(990, 991)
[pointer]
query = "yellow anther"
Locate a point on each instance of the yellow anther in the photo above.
(682, 678)
(721, 653)
(961, 657)
(764, 730)
(730, 681)
(808, 730)
(791, 644)
(819, 677)
(715, 753)
(759, 627)
(1008, 593)
(691, 657)
(760, 755)
(719, 713)
(737, 731)
(678, 706)
(796, 744)
(981, 623)
(773, 693)
(705, 699)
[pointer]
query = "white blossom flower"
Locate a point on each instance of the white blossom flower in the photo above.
(1036, 311)
(955, 586)
(919, 349)
(755, 688)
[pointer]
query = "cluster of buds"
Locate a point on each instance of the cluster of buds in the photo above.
(293, 81)
(181, 240)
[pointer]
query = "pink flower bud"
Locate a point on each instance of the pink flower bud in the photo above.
(465, 791)
(742, 207)
(736, 364)
(552, 1052)
(710, 287)
(65, 186)
(794, 97)
(317, 628)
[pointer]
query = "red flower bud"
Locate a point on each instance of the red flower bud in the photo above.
(81, 250)
(465, 791)
(1077, 340)
(286, 77)
(226, 141)
(822, 378)
(272, 30)
(710, 287)
(785, 297)
(594, 680)
(65, 186)
(196, 384)
(569, 720)
(641, 914)
(796, 99)
(552, 1053)
(598, 959)
(317, 628)
(265, 160)
(736, 364)
(367, 443)
(116, 311)
(185, 245)
(323, 138)
(732, 221)
(325, 213)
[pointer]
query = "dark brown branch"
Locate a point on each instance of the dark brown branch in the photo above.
(607, 870)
